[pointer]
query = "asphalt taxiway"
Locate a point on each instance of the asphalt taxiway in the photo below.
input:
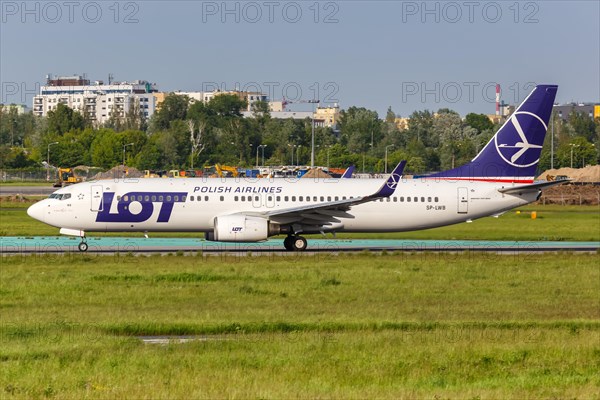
(61, 244)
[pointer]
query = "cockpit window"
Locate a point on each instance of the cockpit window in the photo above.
(60, 196)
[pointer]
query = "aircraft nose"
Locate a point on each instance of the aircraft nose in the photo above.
(36, 211)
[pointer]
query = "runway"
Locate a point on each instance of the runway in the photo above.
(61, 244)
(27, 190)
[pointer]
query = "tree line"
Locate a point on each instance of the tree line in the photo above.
(185, 133)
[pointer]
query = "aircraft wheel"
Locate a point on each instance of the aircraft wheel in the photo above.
(287, 243)
(83, 246)
(299, 243)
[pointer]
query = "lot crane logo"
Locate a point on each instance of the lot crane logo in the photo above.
(513, 144)
(392, 182)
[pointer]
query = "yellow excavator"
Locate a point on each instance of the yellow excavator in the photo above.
(66, 176)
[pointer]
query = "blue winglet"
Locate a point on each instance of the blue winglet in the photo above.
(348, 172)
(389, 187)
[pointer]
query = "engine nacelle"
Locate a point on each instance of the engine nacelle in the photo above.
(241, 228)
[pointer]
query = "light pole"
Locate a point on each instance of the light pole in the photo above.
(328, 148)
(572, 146)
(124, 147)
(262, 147)
(386, 154)
(583, 156)
(48, 161)
(298, 154)
(292, 146)
(312, 140)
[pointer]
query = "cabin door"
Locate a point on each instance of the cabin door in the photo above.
(96, 197)
(463, 200)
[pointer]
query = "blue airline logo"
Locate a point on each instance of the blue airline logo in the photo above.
(142, 204)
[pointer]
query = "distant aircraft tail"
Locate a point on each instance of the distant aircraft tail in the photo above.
(512, 155)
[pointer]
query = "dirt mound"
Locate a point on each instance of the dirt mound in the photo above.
(316, 173)
(119, 172)
(586, 194)
(587, 174)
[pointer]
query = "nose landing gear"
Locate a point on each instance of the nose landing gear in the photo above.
(83, 246)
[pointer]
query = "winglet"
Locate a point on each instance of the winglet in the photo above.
(389, 186)
(348, 172)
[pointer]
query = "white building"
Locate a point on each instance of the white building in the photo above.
(96, 100)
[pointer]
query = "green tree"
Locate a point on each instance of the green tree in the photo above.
(479, 121)
(64, 119)
(173, 108)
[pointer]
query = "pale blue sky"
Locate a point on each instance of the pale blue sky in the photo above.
(372, 54)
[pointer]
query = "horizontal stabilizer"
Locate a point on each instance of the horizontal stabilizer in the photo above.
(532, 187)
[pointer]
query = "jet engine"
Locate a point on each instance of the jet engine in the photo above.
(242, 228)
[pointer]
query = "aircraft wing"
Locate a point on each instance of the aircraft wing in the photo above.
(532, 187)
(327, 213)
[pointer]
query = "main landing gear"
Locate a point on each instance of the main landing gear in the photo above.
(83, 246)
(294, 243)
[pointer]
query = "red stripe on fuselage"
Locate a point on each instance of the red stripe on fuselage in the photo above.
(447, 178)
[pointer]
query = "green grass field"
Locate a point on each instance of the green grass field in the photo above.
(399, 325)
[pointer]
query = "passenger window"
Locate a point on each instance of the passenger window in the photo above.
(301, 198)
(286, 198)
(322, 198)
(328, 198)
(183, 198)
(160, 198)
(118, 198)
(126, 198)
(336, 198)
(314, 198)
(191, 198)
(222, 198)
(270, 198)
(401, 199)
(343, 197)
(278, 198)
(436, 199)
(168, 198)
(235, 198)
(147, 198)
(205, 198)
(422, 199)
(408, 199)
(256, 198)
(387, 199)
(243, 198)
(416, 199)
(429, 199)
(176, 198)
(293, 198)
(153, 198)
(395, 199)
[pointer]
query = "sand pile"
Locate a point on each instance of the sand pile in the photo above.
(587, 174)
(316, 173)
(119, 172)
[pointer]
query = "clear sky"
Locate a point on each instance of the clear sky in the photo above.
(405, 54)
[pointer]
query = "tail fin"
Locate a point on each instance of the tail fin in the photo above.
(513, 153)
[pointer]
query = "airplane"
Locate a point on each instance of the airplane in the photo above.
(499, 178)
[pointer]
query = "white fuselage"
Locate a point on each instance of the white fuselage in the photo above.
(192, 204)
